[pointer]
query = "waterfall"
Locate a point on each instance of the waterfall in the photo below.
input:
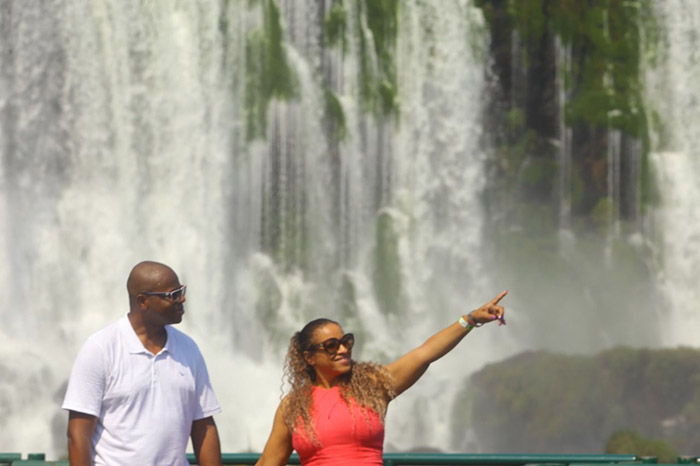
(563, 67)
(673, 90)
(134, 131)
(614, 175)
(111, 114)
(293, 159)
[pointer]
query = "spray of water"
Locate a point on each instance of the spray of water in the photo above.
(672, 89)
(124, 138)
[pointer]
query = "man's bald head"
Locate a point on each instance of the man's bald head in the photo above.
(148, 276)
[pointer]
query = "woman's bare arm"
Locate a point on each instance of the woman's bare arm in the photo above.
(279, 446)
(407, 369)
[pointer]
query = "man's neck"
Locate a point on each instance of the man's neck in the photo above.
(153, 337)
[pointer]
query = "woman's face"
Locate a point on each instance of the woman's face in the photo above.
(330, 354)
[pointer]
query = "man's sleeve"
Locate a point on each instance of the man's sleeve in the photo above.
(87, 381)
(207, 404)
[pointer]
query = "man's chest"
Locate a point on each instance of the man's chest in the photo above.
(135, 378)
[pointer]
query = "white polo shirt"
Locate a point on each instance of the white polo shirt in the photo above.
(145, 403)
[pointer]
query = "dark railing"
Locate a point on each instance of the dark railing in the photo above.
(400, 459)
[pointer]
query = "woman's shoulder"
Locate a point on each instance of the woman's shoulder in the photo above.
(284, 402)
(378, 375)
(372, 370)
(284, 408)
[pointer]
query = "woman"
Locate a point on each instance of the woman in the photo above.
(334, 412)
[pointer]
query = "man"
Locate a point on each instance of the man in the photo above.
(140, 388)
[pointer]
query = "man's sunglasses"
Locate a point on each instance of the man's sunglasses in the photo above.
(332, 345)
(177, 294)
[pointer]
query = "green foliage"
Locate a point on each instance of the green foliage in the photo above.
(334, 26)
(538, 173)
(601, 213)
(388, 96)
(488, 10)
(578, 188)
(529, 16)
(525, 166)
(516, 119)
(608, 44)
(387, 264)
(513, 155)
(348, 298)
(650, 194)
(268, 74)
(606, 86)
(630, 442)
(269, 299)
(540, 401)
(383, 19)
(549, 412)
(335, 115)
(378, 82)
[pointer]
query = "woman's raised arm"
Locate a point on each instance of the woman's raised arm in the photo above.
(407, 369)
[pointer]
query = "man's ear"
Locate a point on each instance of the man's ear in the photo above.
(141, 301)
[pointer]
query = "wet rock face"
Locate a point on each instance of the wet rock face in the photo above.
(541, 401)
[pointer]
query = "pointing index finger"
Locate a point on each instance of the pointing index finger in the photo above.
(499, 297)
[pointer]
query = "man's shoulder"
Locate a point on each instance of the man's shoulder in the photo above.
(107, 333)
(181, 339)
(99, 349)
(110, 329)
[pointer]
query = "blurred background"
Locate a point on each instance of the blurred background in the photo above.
(389, 164)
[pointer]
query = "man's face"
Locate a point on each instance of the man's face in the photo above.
(165, 300)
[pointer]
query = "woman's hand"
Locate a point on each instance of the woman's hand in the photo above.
(488, 312)
(411, 366)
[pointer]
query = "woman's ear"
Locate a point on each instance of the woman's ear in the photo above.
(308, 357)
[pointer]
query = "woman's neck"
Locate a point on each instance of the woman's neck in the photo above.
(330, 380)
(326, 382)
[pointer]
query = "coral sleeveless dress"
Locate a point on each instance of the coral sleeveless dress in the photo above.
(346, 438)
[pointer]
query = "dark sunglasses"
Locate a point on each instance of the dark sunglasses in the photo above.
(177, 294)
(332, 345)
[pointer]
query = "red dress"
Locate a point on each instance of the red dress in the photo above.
(346, 438)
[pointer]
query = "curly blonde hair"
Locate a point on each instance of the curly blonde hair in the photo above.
(368, 384)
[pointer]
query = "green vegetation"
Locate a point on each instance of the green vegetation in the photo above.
(377, 31)
(268, 74)
(335, 25)
(609, 41)
(269, 299)
(630, 442)
(387, 266)
(335, 115)
(539, 401)
(601, 213)
(607, 84)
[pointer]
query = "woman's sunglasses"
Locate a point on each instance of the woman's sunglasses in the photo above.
(332, 345)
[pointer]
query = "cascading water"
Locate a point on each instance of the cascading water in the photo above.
(673, 90)
(313, 176)
(126, 136)
(614, 153)
(563, 66)
(111, 114)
